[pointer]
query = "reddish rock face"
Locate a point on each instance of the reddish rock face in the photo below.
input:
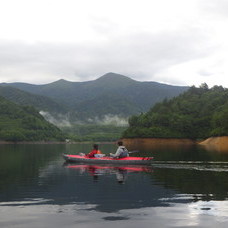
(155, 143)
(219, 144)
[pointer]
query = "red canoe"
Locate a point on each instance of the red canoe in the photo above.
(109, 160)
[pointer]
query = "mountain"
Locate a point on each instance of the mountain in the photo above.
(110, 94)
(197, 113)
(24, 123)
(21, 97)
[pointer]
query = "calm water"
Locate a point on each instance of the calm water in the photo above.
(184, 187)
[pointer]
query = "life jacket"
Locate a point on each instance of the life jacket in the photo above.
(91, 154)
(124, 153)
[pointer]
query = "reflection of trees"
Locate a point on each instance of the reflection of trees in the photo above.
(163, 151)
(22, 162)
(36, 171)
(203, 185)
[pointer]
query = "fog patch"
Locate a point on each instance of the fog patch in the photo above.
(63, 120)
(59, 120)
(110, 119)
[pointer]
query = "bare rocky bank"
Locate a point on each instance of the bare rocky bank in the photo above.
(155, 143)
(216, 143)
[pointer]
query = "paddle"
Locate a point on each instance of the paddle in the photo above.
(134, 151)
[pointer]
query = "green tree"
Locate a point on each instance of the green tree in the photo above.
(197, 113)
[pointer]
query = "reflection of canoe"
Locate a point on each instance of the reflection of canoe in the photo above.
(109, 160)
(120, 171)
(129, 168)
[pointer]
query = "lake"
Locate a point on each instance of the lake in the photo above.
(184, 187)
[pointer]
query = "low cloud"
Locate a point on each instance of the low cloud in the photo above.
(110, 120)
(165, 41)
(142, 56)
(59, 120)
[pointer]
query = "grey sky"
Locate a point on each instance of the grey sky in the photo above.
(181, 42)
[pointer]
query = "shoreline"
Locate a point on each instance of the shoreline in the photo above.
(160, 141)
(157, 143)
(219, 143)
(27, 142)
(49, 142)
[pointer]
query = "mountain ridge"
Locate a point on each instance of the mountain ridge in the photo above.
(22, 97)
(77, 97)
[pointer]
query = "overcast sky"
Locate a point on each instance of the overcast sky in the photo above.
(178, 42)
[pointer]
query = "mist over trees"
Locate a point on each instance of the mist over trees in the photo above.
(111, 94)
(196, 113)
(24, 123)
(87, 111)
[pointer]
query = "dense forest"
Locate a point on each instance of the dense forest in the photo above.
(198, 113)
(85, 111)
(24, 123)
(111, 94)
(24, 98)
(93, 132)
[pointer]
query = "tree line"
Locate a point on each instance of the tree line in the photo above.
(24, 123)
(197, 113)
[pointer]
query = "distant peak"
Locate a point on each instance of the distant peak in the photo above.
(114, 76)
(61, 80)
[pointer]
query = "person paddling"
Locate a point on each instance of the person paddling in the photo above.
(93, 152)
(121, 152)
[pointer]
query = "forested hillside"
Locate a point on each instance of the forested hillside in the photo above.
(24, 123)
(197, 113)
(25, 98)
(89, 110)
(110, 94)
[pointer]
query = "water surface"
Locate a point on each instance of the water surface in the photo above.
(184, 187)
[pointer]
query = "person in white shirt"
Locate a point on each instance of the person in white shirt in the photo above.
(121, 152)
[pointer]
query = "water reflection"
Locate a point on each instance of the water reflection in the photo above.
(194, 152)
(76, 215)
(222, 149)
(111, 188)
(121, 172)
(182, 189)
